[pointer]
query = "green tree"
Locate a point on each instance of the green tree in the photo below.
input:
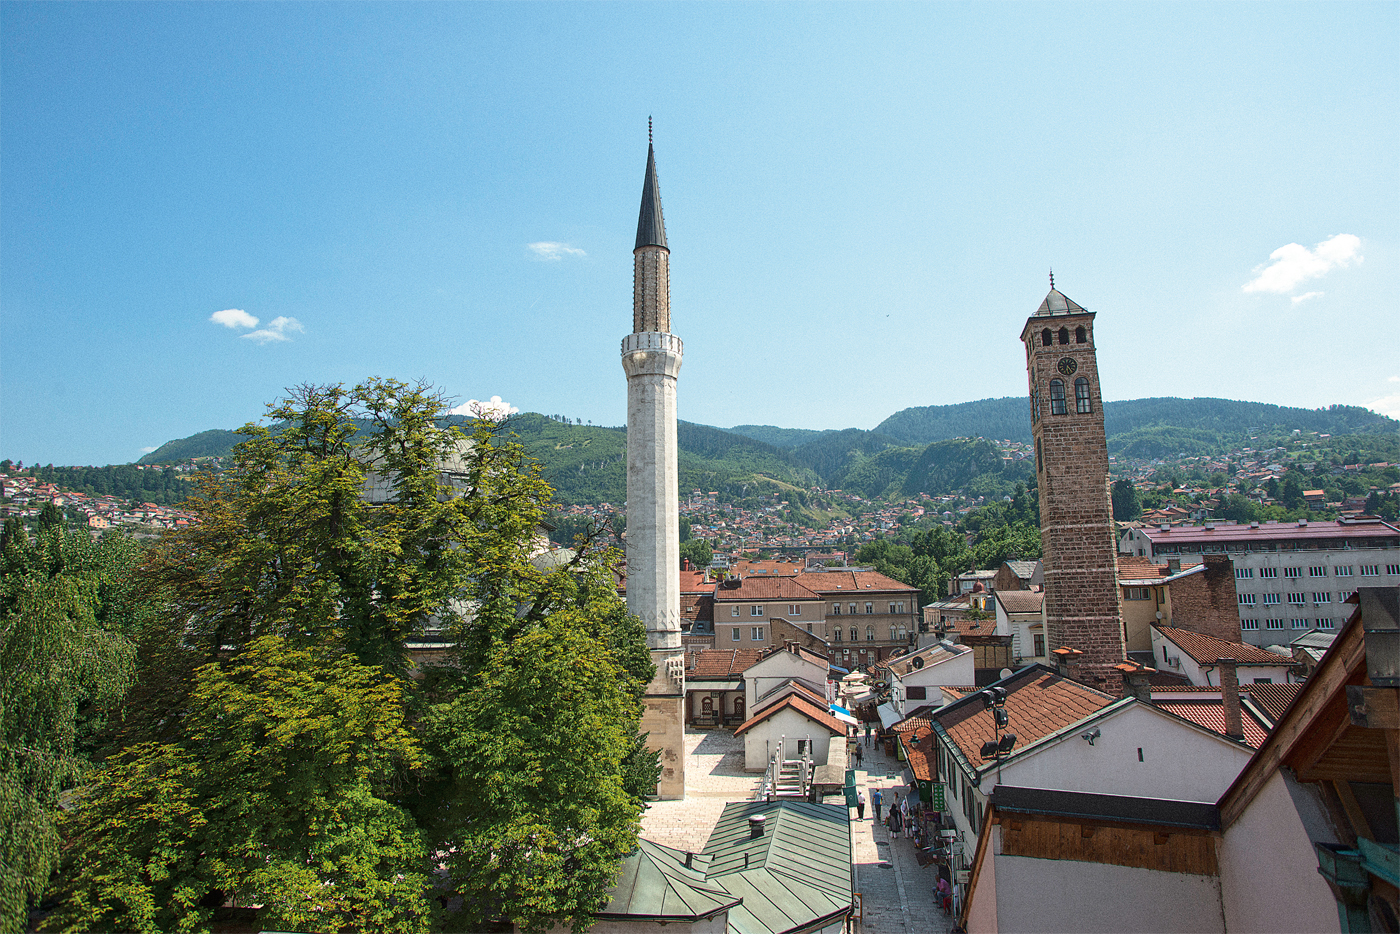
(1291, 494)
(699, 552)
(64, 663)
(50, 517)
(1126, 506)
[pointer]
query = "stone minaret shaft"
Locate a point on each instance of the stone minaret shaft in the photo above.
(651, 357)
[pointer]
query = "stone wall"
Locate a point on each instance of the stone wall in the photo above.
(1206, 602)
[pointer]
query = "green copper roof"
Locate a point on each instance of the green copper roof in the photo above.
(1056, 303)
(656, 884)
(798, 872)
(651, 226)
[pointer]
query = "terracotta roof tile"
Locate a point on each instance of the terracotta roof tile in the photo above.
(1206, 649)
(1273, 698)
(845, 583)
(721, 664)
(1021, 601)
(763, 588)
(821, 715)
(1211, 715)
(1038, 703)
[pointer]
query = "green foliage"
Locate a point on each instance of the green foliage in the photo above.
(699, 552)
(278, 795)
(535, 747)
(64, 664)
(164, 487)
(1126, 506)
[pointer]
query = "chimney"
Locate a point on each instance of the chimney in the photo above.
(1174, 565)
(1230, 698)
(1137, 681)
(689, 856)
(756, 822)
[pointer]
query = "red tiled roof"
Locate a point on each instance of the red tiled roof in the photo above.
(763, 588)
(1273, 698)
(1205, 649)
(920, 755)
(845, 583)
(820, 715)
(697, 606)
(1021, 601)
(1211, 715)
(1038, 703)
(720, 664)
(696, 582)
(792, 686)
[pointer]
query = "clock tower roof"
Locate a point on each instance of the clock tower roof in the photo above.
(1056, 303)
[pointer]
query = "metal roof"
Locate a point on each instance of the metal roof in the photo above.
(1266, 531)
(1084, 805)
(651, 226)
(1057, 304)
(654, 883)
(796, 873)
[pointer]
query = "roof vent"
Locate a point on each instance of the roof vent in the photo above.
(756, 824)
(1302, 523)
(1164, 526)
(1254, 525)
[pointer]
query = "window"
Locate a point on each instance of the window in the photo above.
(734, 633)
(869, 633)
(836, 634)
(1081, 396)
(738, 706)
(1137, 593)
(1081, 336)
(836, 609)
(916, 693)
(1249, 625)
(1246, 599)
(1269, 573)
(809, 627)
(1317, 570)
(1322, 596)
(899, 607)
(1063, 335)
(1035, 406)
(755, 611)
(869, 608)
(1263, 680)
(758, 634)
(1243, 574)
(707, 706)
(1297, 599)
(853, 609)
(1039, 645)
(1292, 573)
(794, 610)
(1298, 623)
(1039, 457)
(734, 611)
(1046, 338)
(1326, 623)
(1057, 397)
(1270, 599)
(1342, 570)
(1392, 569)
(1370, 570)
(854, 637)
(1275, 624)
(894, 633)
(892, 608)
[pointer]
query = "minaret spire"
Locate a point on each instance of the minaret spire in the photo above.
(651, 226)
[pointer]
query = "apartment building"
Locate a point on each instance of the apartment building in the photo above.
(866, 614)
(1290, 577)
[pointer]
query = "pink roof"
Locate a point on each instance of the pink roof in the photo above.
(1268, 531)
(1211, 715)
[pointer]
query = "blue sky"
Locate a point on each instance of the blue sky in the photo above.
(862, 203)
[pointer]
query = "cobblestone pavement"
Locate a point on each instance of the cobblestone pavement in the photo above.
(897, 892)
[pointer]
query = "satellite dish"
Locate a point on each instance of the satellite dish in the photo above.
(918, 663)
(1005, 673)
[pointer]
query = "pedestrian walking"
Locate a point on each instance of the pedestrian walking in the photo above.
(859, 758)
(860, 805)
(876, 798)
(895, 824)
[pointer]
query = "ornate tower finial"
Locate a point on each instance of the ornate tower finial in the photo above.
(1052, 279)
(648, 129)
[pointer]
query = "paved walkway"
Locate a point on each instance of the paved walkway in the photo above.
(897, 891)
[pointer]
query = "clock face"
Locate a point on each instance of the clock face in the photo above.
(1067, 366)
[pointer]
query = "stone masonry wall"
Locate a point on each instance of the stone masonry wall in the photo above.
(1206, 602)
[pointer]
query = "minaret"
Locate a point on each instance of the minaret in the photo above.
(651, 356)
(1083, 609)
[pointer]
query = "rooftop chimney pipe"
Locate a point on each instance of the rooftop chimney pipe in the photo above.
(1230, 698)
(756, 823)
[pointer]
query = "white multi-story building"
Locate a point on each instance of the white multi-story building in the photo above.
(1290, 577)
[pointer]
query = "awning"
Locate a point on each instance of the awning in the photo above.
(888, 716)
(714, 685)
(844, 715)
(864, 697)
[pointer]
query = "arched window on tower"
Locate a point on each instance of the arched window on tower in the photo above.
(1081, 336)
(1064, 335)
(1057, 397)
(1046, 338)
(1081, 396)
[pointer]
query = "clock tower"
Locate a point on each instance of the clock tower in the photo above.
(1082, 606)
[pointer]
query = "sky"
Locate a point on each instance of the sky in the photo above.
(202, 205)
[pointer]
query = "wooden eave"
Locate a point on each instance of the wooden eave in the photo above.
(1314, 722)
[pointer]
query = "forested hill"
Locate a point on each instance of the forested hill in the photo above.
(1009, 418)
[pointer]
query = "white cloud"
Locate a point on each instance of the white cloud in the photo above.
(234, 318)
(493, 410)
(552, 251)
(1307, 295)
(277, 330)
(1386, 405)
(147, 450)
(1293, 264)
